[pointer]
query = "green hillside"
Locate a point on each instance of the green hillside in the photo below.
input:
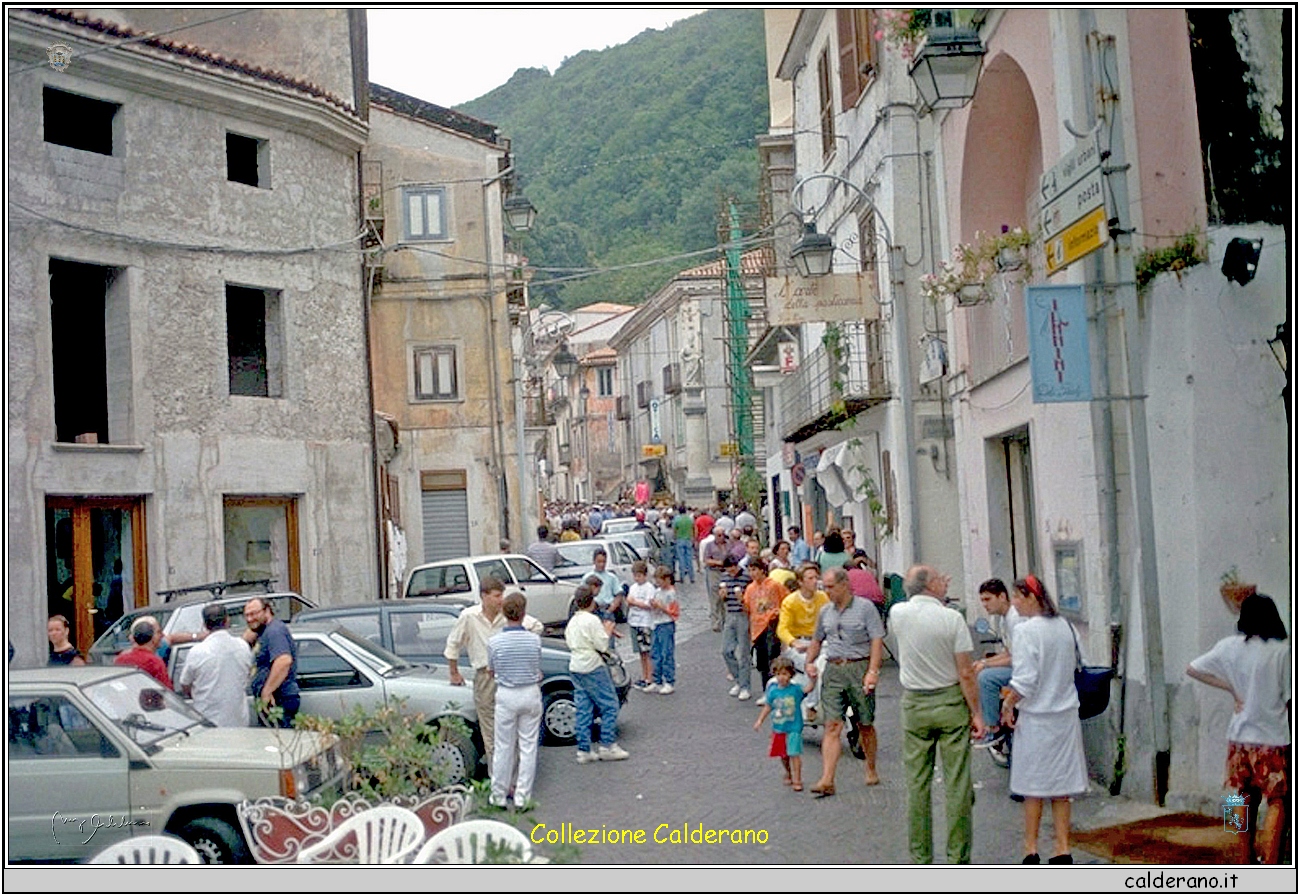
(627, 152)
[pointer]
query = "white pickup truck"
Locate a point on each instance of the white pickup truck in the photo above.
(457, 581)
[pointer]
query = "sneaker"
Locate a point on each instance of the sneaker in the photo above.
(985, 742)
(735, 689)
(611, 753)
(665, 688)
(499, 803)
(761, 701)
(585, 756)
(743, 695)
(642, 685)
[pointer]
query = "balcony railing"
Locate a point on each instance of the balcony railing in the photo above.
(537, 412)
(815, 398)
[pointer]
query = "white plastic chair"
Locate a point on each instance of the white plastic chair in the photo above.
(149, 849)
(385, 835)
(467, 843)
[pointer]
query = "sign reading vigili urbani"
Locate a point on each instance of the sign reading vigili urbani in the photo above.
(835, 297)
(1073, 218)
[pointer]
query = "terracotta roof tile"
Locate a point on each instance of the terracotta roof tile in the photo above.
(754, 263)
(192, 53)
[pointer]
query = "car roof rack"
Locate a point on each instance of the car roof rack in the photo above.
(216, 589)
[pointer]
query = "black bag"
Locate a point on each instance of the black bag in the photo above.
(1092, 683)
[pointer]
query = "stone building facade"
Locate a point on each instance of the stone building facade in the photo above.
(189, 393)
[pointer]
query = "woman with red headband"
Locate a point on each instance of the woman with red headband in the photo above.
(1049, 763)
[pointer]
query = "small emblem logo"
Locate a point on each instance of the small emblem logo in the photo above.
(1236, 814)
(60, 56)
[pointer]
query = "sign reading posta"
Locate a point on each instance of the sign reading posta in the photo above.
(792, 299)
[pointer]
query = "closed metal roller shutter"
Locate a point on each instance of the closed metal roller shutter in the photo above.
(446, 524)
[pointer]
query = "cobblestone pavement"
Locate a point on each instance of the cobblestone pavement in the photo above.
(696, 760)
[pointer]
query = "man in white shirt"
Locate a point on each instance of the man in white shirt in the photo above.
(940, 710)
(994, 672)
(470, 633)
(216, 670)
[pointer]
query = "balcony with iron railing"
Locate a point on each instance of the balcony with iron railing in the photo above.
(822, 393)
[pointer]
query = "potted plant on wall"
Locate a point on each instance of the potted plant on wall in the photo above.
(1234, 591)
(974, 265)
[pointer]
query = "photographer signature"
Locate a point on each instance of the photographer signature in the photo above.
(92, 823)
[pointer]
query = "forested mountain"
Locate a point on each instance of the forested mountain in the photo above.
(628, 152)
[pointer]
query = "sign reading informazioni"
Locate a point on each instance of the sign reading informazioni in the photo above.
(792, 299)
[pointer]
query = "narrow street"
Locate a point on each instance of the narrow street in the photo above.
(695, 760)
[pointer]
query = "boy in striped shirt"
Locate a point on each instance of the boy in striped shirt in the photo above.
(515, 660)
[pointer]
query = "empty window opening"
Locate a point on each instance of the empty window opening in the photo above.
(247, 160)
(91, 352)
(435, 373)
(79, 121)
(254, 341)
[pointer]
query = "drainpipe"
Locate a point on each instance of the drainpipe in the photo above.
(498, 437)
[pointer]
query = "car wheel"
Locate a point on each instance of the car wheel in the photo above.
(456, 756)
(559, 717)
(216, 840)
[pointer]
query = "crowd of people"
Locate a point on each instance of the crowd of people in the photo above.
(816, 607)
(221, 669)
(812, 607)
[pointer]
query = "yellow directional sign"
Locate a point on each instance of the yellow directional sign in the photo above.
(654, 450)
(1083, 236)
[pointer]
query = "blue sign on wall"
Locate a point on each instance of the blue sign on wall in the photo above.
(1057, 320)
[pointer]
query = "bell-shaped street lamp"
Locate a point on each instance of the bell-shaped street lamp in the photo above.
(813, 252)
(519, 212)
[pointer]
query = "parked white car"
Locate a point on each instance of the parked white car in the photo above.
(457, 581)
(101, 753)
(577, 558)
(339, 669)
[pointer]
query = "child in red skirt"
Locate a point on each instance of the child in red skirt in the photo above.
(784, 704)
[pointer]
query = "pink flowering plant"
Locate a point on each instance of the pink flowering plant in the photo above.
(974, 264)
(902, 28)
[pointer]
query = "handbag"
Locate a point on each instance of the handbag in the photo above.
(617, 672)
(1092, 683)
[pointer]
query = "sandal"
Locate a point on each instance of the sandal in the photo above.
(787, 781)
(797, 786)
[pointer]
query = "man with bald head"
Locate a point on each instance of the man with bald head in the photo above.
(940, 709)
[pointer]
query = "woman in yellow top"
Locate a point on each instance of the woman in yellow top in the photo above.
(799, 610)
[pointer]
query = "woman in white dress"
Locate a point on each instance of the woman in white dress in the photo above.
(1048, 759)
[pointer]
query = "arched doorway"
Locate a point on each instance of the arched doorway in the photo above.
(1002, 165)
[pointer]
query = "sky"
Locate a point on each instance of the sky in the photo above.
(451, 55)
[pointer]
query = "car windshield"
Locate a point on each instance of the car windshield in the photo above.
(575, 553)
(118, 636)
(383, 661)
(144, 709)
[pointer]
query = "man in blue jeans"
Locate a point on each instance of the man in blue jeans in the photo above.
(994, 672)
(684, 544)
(588, 638)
